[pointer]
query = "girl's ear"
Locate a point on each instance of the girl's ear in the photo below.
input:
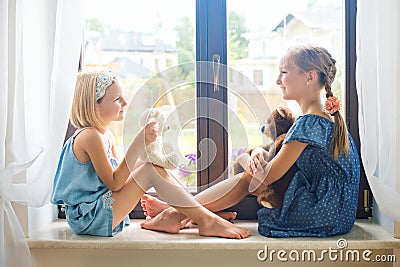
(312, 75)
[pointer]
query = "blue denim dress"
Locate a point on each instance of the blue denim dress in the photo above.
(88, 202)
(322, 197)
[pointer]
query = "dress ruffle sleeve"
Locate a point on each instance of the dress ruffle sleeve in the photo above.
(311, 130)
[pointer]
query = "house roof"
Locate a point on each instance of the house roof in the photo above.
(133, 42)
(321, 17)
(129, 67)
(317, 17)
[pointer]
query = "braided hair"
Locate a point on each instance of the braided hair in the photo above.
(310, 57)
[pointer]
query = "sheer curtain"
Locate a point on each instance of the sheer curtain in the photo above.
(39, 52)
(378, 86)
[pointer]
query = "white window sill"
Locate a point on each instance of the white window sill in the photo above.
(58, 235)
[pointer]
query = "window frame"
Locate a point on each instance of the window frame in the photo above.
(213, 12)
(364, 209)
(208, 12)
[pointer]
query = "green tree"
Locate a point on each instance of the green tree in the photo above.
(237, 43)
(95, 24)
(184, 45)
(185, 33)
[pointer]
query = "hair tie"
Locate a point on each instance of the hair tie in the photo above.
(332, 105)
(103, 81)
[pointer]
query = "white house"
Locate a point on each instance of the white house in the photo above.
(129, 53)
(266, 45)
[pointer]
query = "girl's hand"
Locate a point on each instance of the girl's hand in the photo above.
(150, 132)
(257, 162)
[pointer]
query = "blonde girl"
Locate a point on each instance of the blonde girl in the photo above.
(97, 189)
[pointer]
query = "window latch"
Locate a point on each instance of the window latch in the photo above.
(216, 59)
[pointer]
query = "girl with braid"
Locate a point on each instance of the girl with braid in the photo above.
(321, 199)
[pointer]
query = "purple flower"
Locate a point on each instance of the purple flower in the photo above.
(191, 157)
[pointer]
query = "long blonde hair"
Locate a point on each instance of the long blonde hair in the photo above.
(309, 57)
(84, 112)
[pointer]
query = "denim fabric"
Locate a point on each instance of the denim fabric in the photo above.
(88, 201)
(322, 197)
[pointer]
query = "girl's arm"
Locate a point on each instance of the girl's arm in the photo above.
(146, 136)
(95, 147)
(269, 172)
(117, 155)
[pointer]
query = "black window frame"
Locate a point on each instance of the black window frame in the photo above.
(211, 40)
(211, 19)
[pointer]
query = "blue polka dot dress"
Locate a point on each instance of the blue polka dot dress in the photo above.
(322, 197)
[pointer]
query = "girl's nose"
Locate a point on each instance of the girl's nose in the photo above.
(124, 102)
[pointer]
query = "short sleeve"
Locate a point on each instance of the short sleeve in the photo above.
(311, 129)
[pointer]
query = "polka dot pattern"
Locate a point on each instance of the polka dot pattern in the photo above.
(322, 197)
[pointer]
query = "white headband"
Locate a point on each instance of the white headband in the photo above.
(103, 81)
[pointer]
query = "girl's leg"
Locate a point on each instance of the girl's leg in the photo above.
(152, 206)
(220, 196)
(243, 159)
(126, 199)
(215, 198)
(170, 190)
(184, 205)
(208, 223)
(226, 193)
(142, 179)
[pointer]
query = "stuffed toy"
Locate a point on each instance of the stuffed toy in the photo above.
(159, 153)
(276, 126)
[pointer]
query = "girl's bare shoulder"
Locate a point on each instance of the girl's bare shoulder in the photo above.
(89, 139)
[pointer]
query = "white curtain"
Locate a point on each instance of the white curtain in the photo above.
(378, 87)
(39, 53)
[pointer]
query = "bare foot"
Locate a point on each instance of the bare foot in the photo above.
(170, 221)
(167, 221)
(152, 206)
(185, 222)
(221, 228)
(226, 215)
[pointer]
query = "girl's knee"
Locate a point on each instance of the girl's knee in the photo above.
(149, 167)
(243, 177)
(161, 171)
(242, 159)
(155, 172)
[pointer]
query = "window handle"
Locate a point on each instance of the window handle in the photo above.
(366, 201)
(216, 59)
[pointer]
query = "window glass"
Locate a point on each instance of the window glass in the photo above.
(151, 47)
(259, 32)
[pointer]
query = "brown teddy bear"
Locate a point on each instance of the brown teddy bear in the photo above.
(276, 126)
